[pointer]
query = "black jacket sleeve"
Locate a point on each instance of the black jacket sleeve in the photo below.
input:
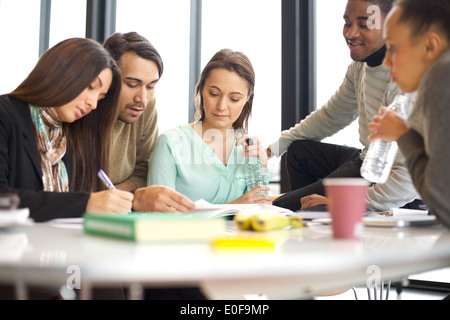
(20, 170)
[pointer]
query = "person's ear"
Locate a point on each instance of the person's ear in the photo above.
(433, 45)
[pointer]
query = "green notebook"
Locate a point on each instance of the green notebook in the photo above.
(141, 227)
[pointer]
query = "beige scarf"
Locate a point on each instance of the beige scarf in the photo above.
(52, 148)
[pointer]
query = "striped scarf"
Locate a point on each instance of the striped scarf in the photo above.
(52, 148)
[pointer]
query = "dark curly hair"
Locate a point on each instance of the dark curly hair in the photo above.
(120, 43)
(385, 5)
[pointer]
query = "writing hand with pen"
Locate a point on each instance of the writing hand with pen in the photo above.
(149, 199)
(111, 200)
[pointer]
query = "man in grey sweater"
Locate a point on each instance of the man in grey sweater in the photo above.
(366, 87)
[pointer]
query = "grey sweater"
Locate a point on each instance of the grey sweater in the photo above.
(364, 90)
(425, 145)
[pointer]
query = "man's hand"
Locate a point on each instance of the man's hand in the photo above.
(313, 200)
(161, 199)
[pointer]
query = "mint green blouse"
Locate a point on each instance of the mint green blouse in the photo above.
(185, 163)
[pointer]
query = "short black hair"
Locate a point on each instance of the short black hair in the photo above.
(385, 5)
(120, 43)
(422, 15)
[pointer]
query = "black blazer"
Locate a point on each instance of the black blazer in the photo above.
(20, 167)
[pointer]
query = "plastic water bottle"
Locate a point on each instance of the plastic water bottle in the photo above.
(381, 154)
(254, 171)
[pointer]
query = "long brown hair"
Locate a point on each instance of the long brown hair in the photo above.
(233, 61)
(61, 74)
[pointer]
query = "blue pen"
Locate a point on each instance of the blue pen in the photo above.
(105, 179)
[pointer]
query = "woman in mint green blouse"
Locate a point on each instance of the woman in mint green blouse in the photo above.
(204, 159)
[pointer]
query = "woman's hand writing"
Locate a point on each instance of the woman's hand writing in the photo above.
(110, 201)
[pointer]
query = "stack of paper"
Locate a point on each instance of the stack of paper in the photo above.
(14, 217)
(208, 210)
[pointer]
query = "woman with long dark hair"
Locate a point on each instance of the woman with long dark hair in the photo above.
(55, 133)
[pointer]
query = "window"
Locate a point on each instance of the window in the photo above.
(253, 27)
(68, 20)
(19, 35)
(333, 59)
(166, 25)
